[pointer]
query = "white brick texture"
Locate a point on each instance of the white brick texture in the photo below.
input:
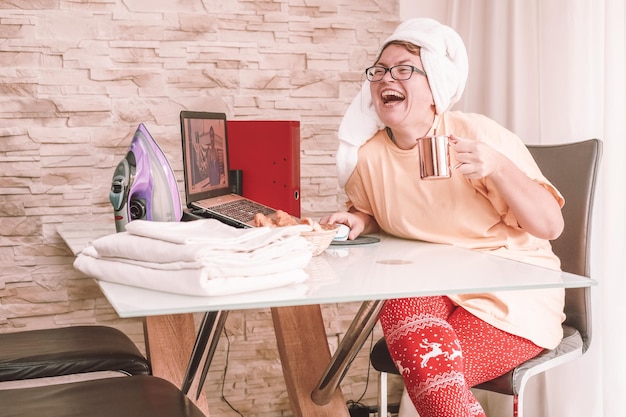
(78, 76)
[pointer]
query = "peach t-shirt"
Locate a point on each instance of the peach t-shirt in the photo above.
(467, 213)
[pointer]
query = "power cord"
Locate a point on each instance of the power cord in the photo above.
(357, 408)
(224, 375)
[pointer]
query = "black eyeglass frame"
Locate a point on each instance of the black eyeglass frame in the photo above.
(391, 72)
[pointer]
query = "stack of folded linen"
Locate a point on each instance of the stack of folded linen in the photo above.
(203, 257)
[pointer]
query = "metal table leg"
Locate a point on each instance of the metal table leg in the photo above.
(215, 337)
(208, 334)
(348, 348)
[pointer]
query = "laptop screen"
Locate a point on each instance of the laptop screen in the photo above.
(205, 154)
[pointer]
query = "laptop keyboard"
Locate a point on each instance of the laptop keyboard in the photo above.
(242, 210)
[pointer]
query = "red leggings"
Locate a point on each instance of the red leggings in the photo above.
(441, 351)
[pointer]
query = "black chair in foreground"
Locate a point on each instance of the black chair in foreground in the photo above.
(573, 169)
(133, 396)
(34, 354)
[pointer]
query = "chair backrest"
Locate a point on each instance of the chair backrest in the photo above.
(573, 168)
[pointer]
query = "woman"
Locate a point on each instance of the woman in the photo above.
(496, 201)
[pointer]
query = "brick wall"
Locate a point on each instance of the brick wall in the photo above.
(76, 78)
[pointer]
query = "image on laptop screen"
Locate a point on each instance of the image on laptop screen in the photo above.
(205, 154)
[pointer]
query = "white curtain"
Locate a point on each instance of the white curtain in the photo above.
(554, 71)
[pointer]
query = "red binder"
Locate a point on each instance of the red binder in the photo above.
(268, 154)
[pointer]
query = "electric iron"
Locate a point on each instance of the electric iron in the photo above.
(144, 186)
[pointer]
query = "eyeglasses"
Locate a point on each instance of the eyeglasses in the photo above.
(398, 73)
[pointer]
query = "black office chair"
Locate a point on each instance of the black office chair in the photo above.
(133, 396)
(573, 169)
(32, 354)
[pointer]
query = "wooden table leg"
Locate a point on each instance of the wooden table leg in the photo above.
(304, 355)
(169, 342)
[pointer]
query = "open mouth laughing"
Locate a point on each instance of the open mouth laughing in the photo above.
(391, 96)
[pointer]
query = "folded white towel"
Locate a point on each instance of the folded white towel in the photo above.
(204, 257)
(271, 244)
(290, 256)
(445, 62)
(211, 231)
(196, 281)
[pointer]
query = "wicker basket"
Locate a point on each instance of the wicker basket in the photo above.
(320, 240)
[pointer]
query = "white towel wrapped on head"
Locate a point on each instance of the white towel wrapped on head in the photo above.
(444, 58)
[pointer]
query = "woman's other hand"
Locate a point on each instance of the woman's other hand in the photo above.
(358, 222)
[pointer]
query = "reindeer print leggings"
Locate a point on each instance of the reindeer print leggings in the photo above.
(441, 351)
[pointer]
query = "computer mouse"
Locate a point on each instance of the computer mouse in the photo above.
(342, 232)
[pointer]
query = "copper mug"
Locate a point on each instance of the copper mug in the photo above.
(434, 157)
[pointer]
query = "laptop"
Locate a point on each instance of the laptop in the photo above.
(208, 191)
